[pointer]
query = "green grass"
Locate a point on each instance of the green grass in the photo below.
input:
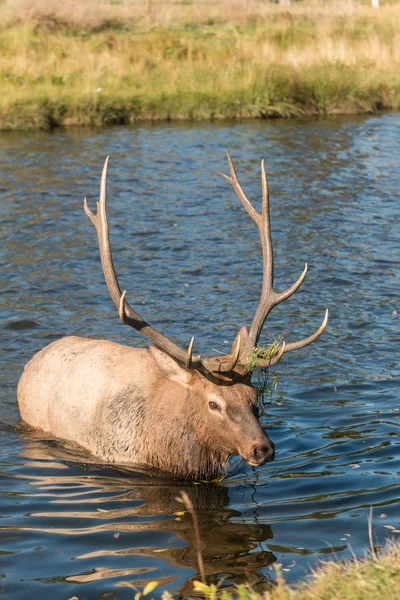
(372, 579)
(120, 63)
(375, 578)
(262, 353)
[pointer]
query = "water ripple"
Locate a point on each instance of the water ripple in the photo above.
(72, 527)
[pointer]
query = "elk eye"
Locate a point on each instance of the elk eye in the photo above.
(214, 406)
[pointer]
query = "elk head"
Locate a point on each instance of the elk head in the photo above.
(220, 399)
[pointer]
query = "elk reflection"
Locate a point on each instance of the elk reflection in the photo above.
(228, 548)
(87, 503)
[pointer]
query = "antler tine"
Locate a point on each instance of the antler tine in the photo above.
(233, 179)
(267, 292)
(226, 363)
(189, 354)
(289, 347)
(269, 297)
(311, 338)
(125, 311)
(236, 353)
(121, 308)
(100, 222)
(293, 288)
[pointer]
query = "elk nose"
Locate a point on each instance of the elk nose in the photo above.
(263, 453)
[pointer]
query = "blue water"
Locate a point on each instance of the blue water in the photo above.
(190, 258)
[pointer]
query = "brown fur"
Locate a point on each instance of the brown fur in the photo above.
(130, 405)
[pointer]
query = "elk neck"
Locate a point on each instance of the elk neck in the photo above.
(177, 428)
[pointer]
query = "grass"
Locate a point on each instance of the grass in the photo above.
(262, 353)
(374, 578)
(98, 63)
(266, 382)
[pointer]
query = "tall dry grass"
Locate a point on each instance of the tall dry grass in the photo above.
(100, 63)
(100, 14)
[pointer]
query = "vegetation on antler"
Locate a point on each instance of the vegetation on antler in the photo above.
(262, 353)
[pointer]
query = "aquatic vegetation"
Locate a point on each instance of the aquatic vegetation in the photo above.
(119, 63)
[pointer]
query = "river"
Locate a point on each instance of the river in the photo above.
(190, 258)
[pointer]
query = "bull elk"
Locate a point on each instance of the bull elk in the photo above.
(163, 406)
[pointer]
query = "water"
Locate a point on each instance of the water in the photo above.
(190, 259)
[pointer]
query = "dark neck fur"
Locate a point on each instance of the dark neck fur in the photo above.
(183, 448)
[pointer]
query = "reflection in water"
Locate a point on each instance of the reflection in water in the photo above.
(191, 259)
(113, 509)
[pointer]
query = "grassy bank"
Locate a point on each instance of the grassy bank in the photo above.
(375, 578)
(96, 63)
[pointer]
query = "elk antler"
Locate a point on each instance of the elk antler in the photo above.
(269, 297)
(222, 364)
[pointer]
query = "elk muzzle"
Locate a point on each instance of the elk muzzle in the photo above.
(261, 453)
(258, 449)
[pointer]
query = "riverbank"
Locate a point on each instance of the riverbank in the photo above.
(374, 578)
(198, 61)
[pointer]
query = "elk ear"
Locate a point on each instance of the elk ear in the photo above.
(244, 335)
(170, 367)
